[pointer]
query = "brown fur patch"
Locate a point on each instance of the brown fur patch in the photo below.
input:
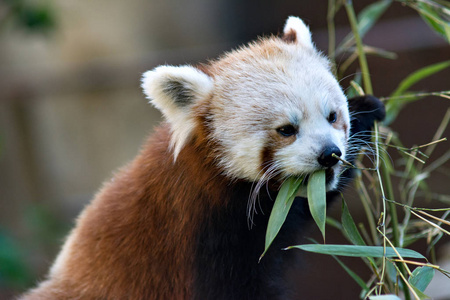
(267, 157)
(290, 36)
(345, 127)
(205, 68)
(340, 124)
(274, 141)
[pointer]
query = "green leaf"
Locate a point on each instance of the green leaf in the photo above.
(391, 271)
(280, 209)
(420, 294)
(355, 89)
(419, 75)
(435, 240)
(435, 14)
(317, 199)
(380, 52)
(394, 104)
(366, 19)
(421, 277)
(370, 14)
(350, 227)
(387, 162)
(441, 28)
(334, 223)
(358, 251)
(385, 297)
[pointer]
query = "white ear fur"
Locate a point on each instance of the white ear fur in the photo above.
(295, 25)
(174, 91)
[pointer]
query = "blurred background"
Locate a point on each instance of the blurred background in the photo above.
(72, 111)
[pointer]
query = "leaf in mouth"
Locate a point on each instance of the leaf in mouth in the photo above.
(280, 209)
(317, 202)
(316, 199)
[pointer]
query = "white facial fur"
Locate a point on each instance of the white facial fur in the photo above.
(254, 91)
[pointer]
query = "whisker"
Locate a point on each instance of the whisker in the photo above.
(268, 173)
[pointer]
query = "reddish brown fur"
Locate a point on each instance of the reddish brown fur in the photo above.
(274, 142)
(340, 124)
(205, 68)
(267, 156)
(290, 36)
(123, 234)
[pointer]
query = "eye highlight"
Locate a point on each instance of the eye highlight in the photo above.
(332, 117)
(287, 130)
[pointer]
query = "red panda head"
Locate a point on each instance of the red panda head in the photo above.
(273, 108)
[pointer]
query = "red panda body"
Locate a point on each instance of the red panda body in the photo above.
(150, 234)
(187, 218)
(135, 240)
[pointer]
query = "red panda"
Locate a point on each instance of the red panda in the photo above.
(187, 218)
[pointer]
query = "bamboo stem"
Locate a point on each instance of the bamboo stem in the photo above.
(359, 47)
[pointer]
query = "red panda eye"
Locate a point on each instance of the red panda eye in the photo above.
(287, 130)
(332, 117)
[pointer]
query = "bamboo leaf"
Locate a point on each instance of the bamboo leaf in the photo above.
(350, 227)
(334, 223)
(385, 297)
(435, 13)
(439, 27)
(369, 15)
(419, 293)
(366, 19)
(391, 269)
(280, 209)
(359, 46)
(317, 199)
(395, 103)
(421, 277)
(355, 88)
(419, 75)
(358, 251)
(380, 52)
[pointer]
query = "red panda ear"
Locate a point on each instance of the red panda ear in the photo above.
(295, 31)
(174, 91)
(172, 88)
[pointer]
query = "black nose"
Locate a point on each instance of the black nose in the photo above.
(327, 159)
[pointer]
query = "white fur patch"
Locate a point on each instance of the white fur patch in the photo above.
(178, 112)
(301, 31)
